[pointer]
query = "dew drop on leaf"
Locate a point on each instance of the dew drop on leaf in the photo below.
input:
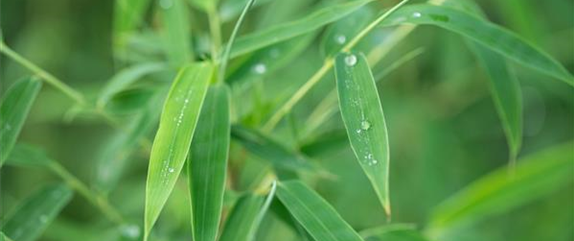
(260, 68)
(351, 60)
(340, 39)
(417, 15)
(365, 125)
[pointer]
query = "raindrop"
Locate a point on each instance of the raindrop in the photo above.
(351, 60)
(170, 170)
(260, 68)
(43, 218)
(341, 39)
(365, 125)
(166, 4)
(359, 131)
(417, 15)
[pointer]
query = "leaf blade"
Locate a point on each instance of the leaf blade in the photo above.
(207, 164)
(484, 33)
(364, 121)
(14, 109)
(34, 214)
(171, 144)
(289, 30)
(317, 216)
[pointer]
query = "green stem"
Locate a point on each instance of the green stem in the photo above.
(97, 200)
(50, 79)
(327, 65)
(215, 30)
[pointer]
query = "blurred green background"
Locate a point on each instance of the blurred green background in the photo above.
(443, 126)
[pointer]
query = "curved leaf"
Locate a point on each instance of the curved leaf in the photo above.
(171, 144)
(364, 120)
(289, 30)
(484, 33)
(35, 213)
(317, 216)
(534, 177)
(14, 109)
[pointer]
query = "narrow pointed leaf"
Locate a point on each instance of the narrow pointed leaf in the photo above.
(177, 31)
(173, 138)
(242, 219)
(35, 213)
(534, 177)
(317, 216)
(125, 78)
(484, 33)
(29, 156)
(207, 164)
(293, 29)
(269, 150)
(3, 237)
(364, 121)
(393, 232)
(14, 109)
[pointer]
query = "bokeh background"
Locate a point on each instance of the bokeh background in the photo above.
(443, 126)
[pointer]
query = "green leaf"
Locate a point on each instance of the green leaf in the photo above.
(3, 237)
(205, 5)
(317, 216)
(393, 232)
(29, 156)
(242, 221)
(14, 109)
(484, 33)
(207, 164)
(269, 150)
(534, 177)
(269, 59)
(363, 117)
(293, 29)
(173, 138)
(125, 78)
(177, 31)
(35, 213)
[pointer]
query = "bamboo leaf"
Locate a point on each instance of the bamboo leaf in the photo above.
(207, 164)
(171, 144)
(35, 213)
(484, 33)
(242, 219)
(14, 109)
(205, 5)
(269, 150)
(315, 20)
(393, 232)
(125, 78)
(536, 176)
(177, 32)
(3, 237)
(29, 156)
(363, 117)
(317, 216)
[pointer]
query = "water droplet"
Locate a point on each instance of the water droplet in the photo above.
(131, 231)
(260, 68)
(43, 218)
(365, 125)
(375, 162)
(340, 39)
(359, 131)
(170, 170)
(417, 15)
(165, 4)
(351, 60)
(186, 101)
